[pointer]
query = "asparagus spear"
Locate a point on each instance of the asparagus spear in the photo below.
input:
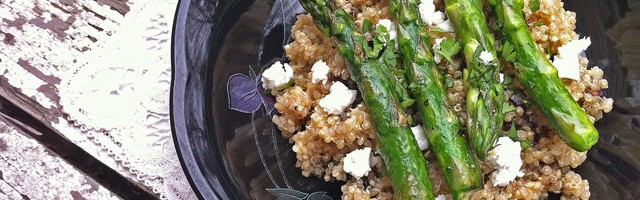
(485, 93)
(396, 143)
(461, 169)
(540, 78)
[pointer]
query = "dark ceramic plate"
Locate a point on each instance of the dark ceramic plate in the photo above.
(229, 148)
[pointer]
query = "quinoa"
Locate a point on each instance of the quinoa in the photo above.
(546, 165)
(328, 138)
(321, 140)
(377, 188)
(551, 26)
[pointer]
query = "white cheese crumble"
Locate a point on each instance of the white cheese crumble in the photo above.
(319, 72)
(339, 98)
(486, 57)
(421, 138)
(431, 16)
(441, 197)
(501, 76)
(436, 56)
(391, 28)
(505, 159)
(428, 13)
(446, 25)
(356, 163)
(276, 76)
(567, 62)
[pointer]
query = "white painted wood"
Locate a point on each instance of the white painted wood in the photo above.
(29, 171)
(98, 72)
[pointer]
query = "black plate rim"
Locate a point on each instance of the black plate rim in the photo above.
(179, 74)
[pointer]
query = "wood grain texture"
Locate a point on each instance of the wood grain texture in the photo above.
(28, 170)
(42, 42)
(41, 39)
(18, 115)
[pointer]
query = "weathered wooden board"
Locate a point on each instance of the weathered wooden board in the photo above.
(28, 170)
(50, 49)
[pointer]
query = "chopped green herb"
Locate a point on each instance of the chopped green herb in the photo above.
(448, 81)
(377, 47)
(448, 48)
(507, 81)
(367, 25)
(289, 84)
(413, 86)
(507, 107)
(525, 144)
(534, 5)
(381, 29)
(497, 24)
(407, 103)
(548, 50)
(390, 57)
(382, 34)
(513, 135)
(508, 52)
(380, 40)
(404, 92)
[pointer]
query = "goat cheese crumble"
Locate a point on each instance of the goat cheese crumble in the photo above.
(277, 76)
(441, 197)
(391, 28)
(446, 25)
(486, 57)
(421, 138)
(505, 159)
(339, 98)
(429, 14)
(567, 62)
(319, 72)
(356, 163)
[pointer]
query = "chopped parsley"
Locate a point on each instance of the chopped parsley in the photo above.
(508, 52)
(407, 103)
(448, 48)
(513, 135)
(534, 5)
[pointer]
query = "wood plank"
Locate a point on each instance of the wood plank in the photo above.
(12, 112)
(28, 170)
(46, 45)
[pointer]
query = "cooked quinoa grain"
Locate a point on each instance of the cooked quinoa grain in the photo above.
(551, 26)
(321, 140)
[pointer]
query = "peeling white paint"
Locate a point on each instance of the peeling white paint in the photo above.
(29, 169)
(115, 90)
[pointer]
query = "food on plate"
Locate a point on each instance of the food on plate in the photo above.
(441, 124)
(452, 99)
(485, 95)
(382, 94)
(540, 78)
